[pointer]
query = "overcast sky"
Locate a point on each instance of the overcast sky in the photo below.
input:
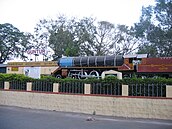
(24, 14)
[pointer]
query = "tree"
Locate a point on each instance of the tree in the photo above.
(84, 31)
(156, 27)
(111, 39)
(68, 37)
(82, 37)
(62, 42)
(13, 43)
(103, 38)
(53, 34)
(124, 41)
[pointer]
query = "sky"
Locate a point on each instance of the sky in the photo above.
(25, 14)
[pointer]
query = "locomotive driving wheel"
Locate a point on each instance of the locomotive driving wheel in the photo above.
(58, 76)
(94, 73)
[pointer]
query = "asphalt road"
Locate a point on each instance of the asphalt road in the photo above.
(21, 118)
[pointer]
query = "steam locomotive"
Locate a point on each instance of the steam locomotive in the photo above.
(129, 65)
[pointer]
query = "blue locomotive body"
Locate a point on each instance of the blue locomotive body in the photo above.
(65, 62)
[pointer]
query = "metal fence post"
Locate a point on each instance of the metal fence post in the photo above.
(55, 87)
(6, 85)
(124, 90)
(169, 91)
(87, 88)
(29, 86)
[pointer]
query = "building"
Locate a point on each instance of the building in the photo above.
(3, 68)
(32, 69)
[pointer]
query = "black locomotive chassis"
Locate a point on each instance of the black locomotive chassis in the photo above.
(82, 72)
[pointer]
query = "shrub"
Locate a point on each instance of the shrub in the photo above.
(15, 77)
(147, 81)
(110, 79)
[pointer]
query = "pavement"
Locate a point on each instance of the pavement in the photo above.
(22, 118)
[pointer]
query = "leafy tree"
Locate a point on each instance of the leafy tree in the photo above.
(62, 42)
(103, 38)
(53, 34)
(13, 43)
(84, 31)
(124, 41)
(111, 39)
(68, 37)
(156, 26)
(82, 37)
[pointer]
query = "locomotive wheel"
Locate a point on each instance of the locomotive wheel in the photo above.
(94, 73)
(58, 76)
(84, 74)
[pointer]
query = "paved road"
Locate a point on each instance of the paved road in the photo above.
(21, 118)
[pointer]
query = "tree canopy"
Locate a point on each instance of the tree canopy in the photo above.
(13, 43)
(87, 37)
(156, 27)
(68, 37)
(84, 37)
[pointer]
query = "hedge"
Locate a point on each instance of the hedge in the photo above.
(23, 78)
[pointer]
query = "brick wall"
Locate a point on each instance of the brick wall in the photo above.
(160, 108)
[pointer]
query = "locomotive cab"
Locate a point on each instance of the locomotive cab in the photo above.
(130, 65)
(134, 60)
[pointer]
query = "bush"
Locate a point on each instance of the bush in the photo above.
(147, 81)
(110, 79)
(15, 77)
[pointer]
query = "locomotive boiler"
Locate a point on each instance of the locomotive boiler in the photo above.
(91, 61)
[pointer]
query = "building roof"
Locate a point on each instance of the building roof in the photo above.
(3, 65)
